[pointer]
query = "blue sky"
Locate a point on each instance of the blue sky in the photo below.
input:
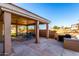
(60, 14)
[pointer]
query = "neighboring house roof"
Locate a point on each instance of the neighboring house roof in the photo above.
(20, 11)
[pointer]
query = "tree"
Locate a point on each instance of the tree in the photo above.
(56, 27)
(66, 27)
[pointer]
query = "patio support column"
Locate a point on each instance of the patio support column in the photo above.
(16, 27)
(27, 29)
(7, 33)
(1, 31)
(37, 32)
(16, 30)
(47, 30)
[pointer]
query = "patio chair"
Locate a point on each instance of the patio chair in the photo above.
(28, 36)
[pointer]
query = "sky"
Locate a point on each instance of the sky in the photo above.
(60, 14)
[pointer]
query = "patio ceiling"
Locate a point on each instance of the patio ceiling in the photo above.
(20, 20)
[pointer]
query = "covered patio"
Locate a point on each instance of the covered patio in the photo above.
(11, 14)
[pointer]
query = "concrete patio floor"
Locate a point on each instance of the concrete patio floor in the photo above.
(46, 47)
